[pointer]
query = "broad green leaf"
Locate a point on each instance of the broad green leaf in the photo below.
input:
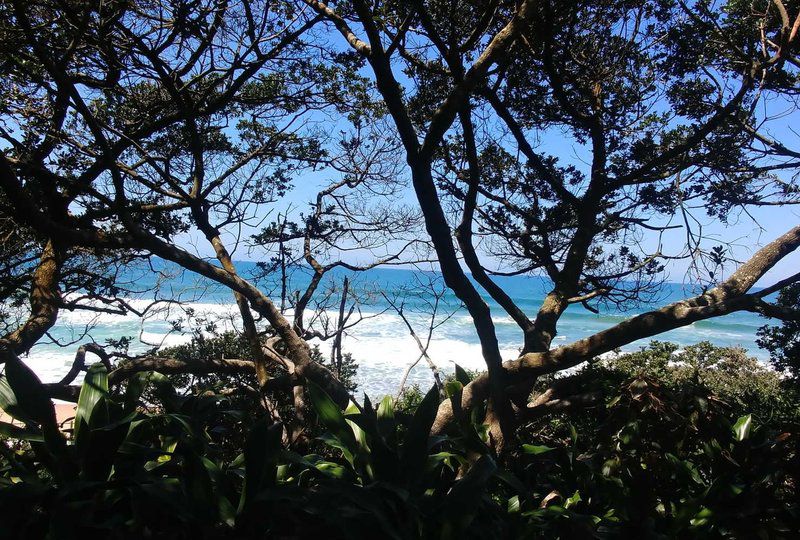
(334, 442)
(260, 457)
(184, 422)
(165, 392)
(134, 390)
(19, 433)
(462, 376)
(199, 488)
(8, 402)
(94, 388)
(742, 427)
(385, 419)
(415, 446)
(331, 417)
(685, 466)
(386, 408)
(352, 408)
(536, 449)
(467, 493)
(23, 396)
(333, 470)
(453, 388)
(572, 501)
(573, 434)
(703, 517)
(360, 435)
(510, 480)
(450, 459)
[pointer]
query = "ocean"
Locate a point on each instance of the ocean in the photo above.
(381, 343)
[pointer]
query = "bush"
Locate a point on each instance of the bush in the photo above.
(783, 341)
(745, 384)
(665, 457)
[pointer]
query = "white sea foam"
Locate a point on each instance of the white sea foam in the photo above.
(380, 343)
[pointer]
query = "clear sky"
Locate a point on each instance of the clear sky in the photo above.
(744, 232)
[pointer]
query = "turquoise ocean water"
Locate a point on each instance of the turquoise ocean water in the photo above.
(381, 343)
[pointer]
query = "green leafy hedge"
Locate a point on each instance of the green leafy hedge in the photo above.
(663, 458)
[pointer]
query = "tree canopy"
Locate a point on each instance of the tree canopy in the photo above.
(131, 129)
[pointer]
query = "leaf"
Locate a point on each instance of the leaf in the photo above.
(742, 427)
(686, 467)
(134, 390)
(462, 376)
(199, 488)
(94, 388)
(466, 494)
(512, 481)
(331, 417)
(573, 434)
(572, 501)
(351, 409)
(225, 509)
(23, 396)
(453, 388)
(184, 422)
(414, 453)
(165, 392)
(536, 449)
(12, 431)
(387, 427)
(386, 408)
(360, 436)
(260, 457)
(448, 458)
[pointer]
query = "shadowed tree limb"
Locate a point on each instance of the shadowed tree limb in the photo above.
(728, 297)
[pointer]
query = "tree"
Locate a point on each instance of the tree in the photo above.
(783, 341)
(661, 99)
(130, 127)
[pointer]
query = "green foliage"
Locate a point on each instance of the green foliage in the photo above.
(745, 384)
(131, 472)
(692, 442)
(665, 458)
(235, 345)
(663, 464)
(783, 341)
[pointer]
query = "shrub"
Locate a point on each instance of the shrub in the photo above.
(664, 458)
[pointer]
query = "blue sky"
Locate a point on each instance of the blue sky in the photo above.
(744, 233)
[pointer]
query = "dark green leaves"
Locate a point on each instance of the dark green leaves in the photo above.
(23, 396)
(333, 419)
(742, 427)
(93, 392)
(415, 448)
(535, 450)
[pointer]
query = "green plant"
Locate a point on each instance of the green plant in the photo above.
(783, 340)
(124, 472)
(389, 477)
(660, 460)
(667, 465)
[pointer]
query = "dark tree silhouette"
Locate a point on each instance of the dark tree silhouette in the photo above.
(128, 126)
